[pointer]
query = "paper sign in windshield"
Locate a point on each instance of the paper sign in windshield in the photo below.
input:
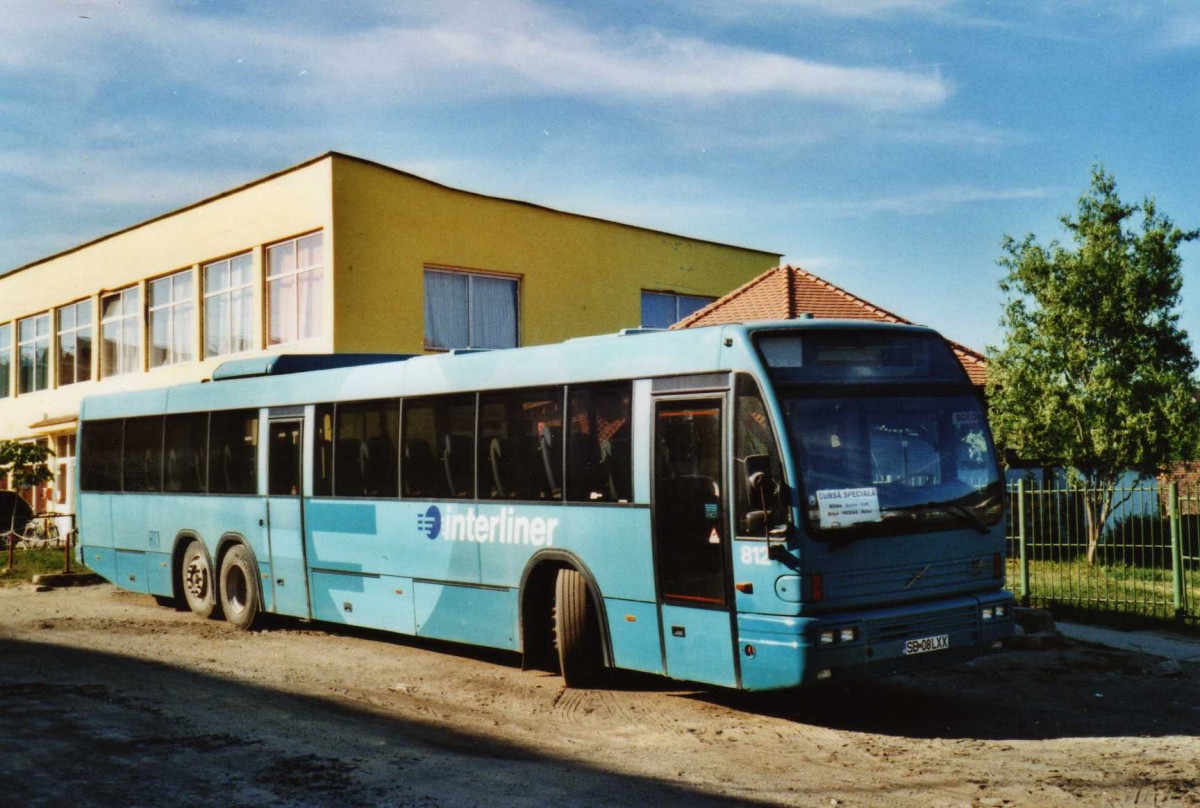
(842, 507)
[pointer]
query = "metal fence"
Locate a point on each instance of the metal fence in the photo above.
(1146, 562)
(42, 531)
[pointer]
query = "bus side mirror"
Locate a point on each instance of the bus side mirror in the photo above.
(758, 476)
(758, 484)
(756, 523)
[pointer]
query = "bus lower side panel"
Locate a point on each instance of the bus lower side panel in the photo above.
(467, 614)
(633, 628)
(382, 602)
(135, 570)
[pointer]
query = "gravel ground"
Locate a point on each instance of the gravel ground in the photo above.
(109, 700)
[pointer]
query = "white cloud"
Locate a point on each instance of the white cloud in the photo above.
(431, 50)
(854, 8)
(928, 202)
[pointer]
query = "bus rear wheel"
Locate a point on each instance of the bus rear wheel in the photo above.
(239, 588)
(576, 630)
(196, 581)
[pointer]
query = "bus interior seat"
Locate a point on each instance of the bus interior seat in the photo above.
(457, 464)
(348, 474)
(545, 445)
(618, 465)
(500, 461)
(587, 478)
(419, 465)
(381, 464)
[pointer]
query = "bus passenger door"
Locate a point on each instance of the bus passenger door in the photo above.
(691, 540)
(285, 519)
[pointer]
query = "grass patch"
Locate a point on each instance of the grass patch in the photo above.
(28, 563)
(1114, 593)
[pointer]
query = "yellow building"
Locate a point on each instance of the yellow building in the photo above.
(337, 254)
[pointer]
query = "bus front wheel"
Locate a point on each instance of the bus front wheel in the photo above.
(196, 581)
(239, 588)
(576, 629)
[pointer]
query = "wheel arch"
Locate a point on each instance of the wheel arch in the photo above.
(536, 593)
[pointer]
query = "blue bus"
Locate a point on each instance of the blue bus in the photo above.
(757, 506)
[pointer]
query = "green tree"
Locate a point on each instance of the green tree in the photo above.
(25, 463)
(1095, 374)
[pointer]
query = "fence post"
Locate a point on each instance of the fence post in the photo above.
(1022, 542)
(1176, 550)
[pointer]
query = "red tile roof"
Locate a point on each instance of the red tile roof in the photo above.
(786, 292)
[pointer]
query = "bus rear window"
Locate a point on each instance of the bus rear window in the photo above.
(859, 356)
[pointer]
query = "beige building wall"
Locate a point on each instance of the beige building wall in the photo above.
(286, 205)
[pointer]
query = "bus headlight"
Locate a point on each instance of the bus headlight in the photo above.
(848, 634)
(988, 613)
(827, 638)
(1001, 610)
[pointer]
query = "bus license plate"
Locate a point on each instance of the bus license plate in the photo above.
(926, 644)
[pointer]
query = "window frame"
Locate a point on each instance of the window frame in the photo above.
(226, 293)
(41, 320)
(676, 298)
(82, 370)
(470, 275)
(303, 330)
(180, 315)
(126, 311)
(7, 388)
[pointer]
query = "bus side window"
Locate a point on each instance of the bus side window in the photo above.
(185, 453)
(322, 481)
(599, 450)
(754, 438)
(520, 444)
(439, 441)
(100, 455)
(365, 451)
(233, 452)
(142, 465)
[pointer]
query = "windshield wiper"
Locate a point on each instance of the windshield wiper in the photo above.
(962, 512)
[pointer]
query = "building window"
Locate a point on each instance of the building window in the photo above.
(5, 360)
(120, 320)
(75, 343)
(227, 306)
(664, 309)
(469, 310)
(171, 310)
(296, 290)
(33, 344)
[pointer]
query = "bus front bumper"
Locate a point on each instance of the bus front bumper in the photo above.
(782, 652)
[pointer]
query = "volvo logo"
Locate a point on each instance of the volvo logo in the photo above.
(918, 575)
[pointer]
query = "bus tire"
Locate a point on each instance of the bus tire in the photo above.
(239, 588)
(576, 629)
(196, 581)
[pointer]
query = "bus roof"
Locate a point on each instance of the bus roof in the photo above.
(290, 379)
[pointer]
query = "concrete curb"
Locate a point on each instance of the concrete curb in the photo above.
(1153, 643)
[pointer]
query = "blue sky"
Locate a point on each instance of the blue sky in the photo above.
(886, 145)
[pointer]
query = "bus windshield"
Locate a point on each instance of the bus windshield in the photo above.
(875, 465)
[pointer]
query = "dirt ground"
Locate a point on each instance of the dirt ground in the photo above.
(107, 699)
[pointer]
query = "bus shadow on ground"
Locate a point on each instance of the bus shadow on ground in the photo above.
(1070, 692)
(85, 727)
